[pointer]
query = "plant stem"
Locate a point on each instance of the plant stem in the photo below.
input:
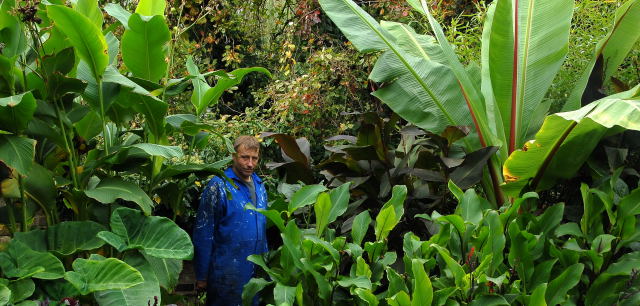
(25, 220)
(12, 218)
(67, 145)
(102, 115)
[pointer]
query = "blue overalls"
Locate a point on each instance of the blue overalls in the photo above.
(225, 234)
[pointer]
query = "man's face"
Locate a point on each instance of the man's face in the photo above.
(245, 162)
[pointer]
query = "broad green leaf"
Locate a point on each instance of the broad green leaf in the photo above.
(602, 243)
(17, 152)
(180, 171)
(455, 190)
(542, 273)
(213, 94)
(453, 266)
(21, 289)
(566, 140)
(118, 12)
(537, 296)
(167, 270)
(411, 83)
(398, 195)
(327, 246)
(271, 214)
(11, 30)
(558, 288)
(608, 285)
(91, 275)
(5, 294)
(156, 236)
(305, 196)
(145, 47)
(111, 189)
(422, 289)
(200, 85)
(339, 201)
(153, 110)
(322, 209)
(550, 219)
(145, 293)
(359, 281)
(151, 7)
(471, 206)
(495, 242)
(360, 226)
(570, 228)
(16, 112)
(85, 37)
(19, 261)
(367, 296)
(385, 222)
(91, 10)
(64, 238)
(610, 52)
(630, 204)
(284, 294)
(489, 300)
(252, 288)
(418, 45)
(399, 299)
(396, 282)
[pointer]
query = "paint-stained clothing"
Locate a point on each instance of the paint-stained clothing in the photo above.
(225, 234)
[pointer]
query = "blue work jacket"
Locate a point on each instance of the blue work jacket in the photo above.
(226, 234)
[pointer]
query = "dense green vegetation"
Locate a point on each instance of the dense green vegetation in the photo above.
(411, 157)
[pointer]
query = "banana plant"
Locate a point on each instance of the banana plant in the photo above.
(524, 43)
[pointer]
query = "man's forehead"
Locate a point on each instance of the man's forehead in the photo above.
(244, 150)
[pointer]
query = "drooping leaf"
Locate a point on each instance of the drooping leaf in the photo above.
(213, 94)
(97, 274)
(453, 266)
(566, 140)
(19, 261)
(156, 236)
(65, 238)
(151, 7)
(284, 294)
(339, 200)
(144, 47)
(271, 214)
(110, 189)
(85, 37)
(17, 152)
(252, 288)
(469, 172)
(145, 293)
(558, 288)
(118, 12)
(16, 112)
(305, 196)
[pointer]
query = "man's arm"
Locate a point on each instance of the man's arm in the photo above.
(204, 231)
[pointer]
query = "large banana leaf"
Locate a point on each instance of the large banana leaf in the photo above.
(155, 236)
(145, 47)
(566, 140)
(97, 274)
(85, 37)
(16, 112)
(520, 73)
(609, 53)
(19, 261)
(110, 189)
(64, 238)
(91, 10)
(145, 293)
(17, 152)
(422, 91)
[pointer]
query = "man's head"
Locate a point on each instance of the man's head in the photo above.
(246, 157)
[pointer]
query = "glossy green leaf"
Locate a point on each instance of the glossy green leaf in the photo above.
(97, 274)
(558, 288)
(550, 219)
(234, 78)
(367, 296)
(21, 289)
(566, 140)
(118, 12)
(111, 189)
(167, 270)
(151, 7)
(19, 261)
(495, 242)
(339, 200)
(360, 226)
(453, 266)
(85, 37)
(422, 288)
(271, 214)
(11, 31)
(252, 288)
(91, 10)
(471, 207)
(305, 196)
(156, 236)
(16, 112)
(399, 299)
(537, 296)
(610, 52)
(145, 47)
(5, 294)
(489, 300)
(64, 238)
(145, 293)
(322, 209)
(396, 282)
(284, 294)
(359, 281)
(385, 222)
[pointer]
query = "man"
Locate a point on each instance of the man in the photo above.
(225, 233)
